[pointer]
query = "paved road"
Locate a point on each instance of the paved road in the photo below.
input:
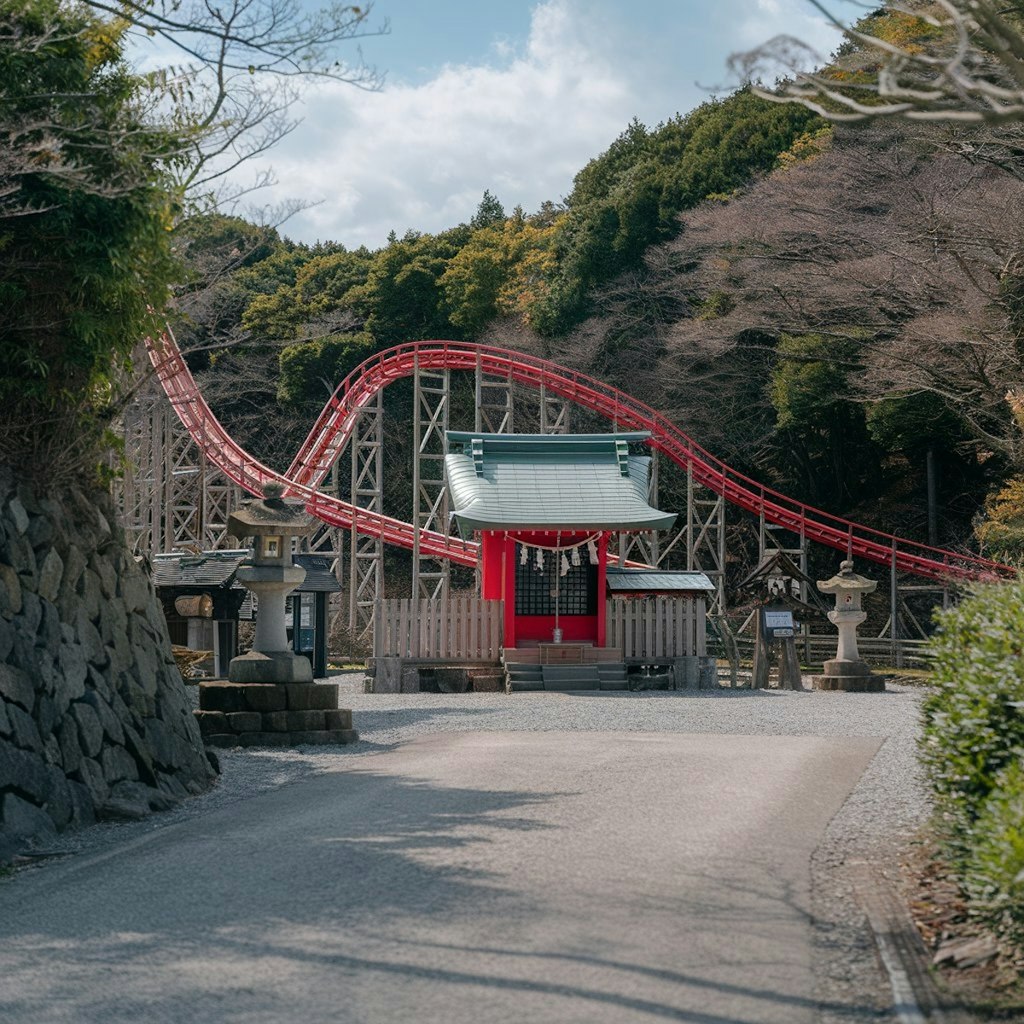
(472, 878)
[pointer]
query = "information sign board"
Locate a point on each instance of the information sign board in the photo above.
(777, 623)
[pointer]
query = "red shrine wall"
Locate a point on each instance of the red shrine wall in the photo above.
(497, 572)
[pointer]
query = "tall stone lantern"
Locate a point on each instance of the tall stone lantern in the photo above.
(270, 699)
(847, 671)
(272, 523)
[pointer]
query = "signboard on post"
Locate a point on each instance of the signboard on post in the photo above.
(777, 623)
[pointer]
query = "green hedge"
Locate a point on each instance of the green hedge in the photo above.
(972, 745)
(994, 872)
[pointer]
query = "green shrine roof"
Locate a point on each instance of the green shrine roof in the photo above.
(550, 482)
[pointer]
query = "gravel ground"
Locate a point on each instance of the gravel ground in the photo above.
(881, 816)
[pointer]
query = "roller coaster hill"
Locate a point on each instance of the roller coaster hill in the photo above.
(184, 479)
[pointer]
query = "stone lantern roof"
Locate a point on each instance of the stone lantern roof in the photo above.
(271, 515)
(847, 579)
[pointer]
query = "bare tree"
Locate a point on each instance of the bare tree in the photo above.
(243, 63)
(227, 101)
(899, 256)
(970, 68)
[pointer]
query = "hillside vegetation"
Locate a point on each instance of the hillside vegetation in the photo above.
(834, 311)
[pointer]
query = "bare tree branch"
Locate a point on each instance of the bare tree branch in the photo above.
(968, 68)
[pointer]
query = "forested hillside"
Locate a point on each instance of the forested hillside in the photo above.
(835, 311)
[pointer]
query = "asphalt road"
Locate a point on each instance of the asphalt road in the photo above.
(465, 877)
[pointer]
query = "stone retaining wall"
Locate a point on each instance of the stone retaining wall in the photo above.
(94, 718)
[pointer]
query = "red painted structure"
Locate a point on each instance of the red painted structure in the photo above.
(498, 582)
(333, 428)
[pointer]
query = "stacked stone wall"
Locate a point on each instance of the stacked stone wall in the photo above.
(95, 721)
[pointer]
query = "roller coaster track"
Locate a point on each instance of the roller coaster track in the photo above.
(334, 427)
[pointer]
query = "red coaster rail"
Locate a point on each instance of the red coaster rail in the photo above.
(333, 428)
(250, 474)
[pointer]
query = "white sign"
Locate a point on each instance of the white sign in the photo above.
(776, 620)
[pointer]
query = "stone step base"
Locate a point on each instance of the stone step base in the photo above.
(567, 678)
(850, 684)
(282, 739)
(527, 685)
(267, 697)
(488, 684)
(237, 723)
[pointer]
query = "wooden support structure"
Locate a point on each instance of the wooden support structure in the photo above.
(431, 402)
(366, 558)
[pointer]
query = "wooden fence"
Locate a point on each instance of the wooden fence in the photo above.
(818, 647)
(657, 627)
(470, 629)
(459, 629)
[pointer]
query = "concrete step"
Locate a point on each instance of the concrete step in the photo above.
(571, 677)
(524, 671)
(569, 671)
(613, 676)
(566, 678)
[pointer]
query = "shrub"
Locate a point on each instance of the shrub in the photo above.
(994, 872)
(972, 732)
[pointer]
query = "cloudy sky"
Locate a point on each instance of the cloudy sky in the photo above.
(514, 96)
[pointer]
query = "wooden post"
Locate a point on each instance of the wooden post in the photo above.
(759, 677)
(319, 635)
(789, 666)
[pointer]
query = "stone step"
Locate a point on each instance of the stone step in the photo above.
(215, 723)
(320, 737)
(569, 672)
(571, 677)
(566, 678)
(527, 686)
(264, 697)
(488, 684)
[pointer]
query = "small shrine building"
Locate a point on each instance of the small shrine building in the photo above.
(544, 507)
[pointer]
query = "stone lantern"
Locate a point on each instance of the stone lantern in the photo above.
(272, 523)
(270, 699)
(847, 671)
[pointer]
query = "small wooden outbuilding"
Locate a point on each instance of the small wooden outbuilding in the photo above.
(203, 602)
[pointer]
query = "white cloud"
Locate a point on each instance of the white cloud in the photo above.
(767, 18)
(522, 124)
(421, 156)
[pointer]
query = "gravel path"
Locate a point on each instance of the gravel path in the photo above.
(882, 814)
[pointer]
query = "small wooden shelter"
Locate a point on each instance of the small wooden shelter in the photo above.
(203, 602)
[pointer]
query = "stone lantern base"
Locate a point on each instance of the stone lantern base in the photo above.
(272, 715)
(850, 676)
(270, 667)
